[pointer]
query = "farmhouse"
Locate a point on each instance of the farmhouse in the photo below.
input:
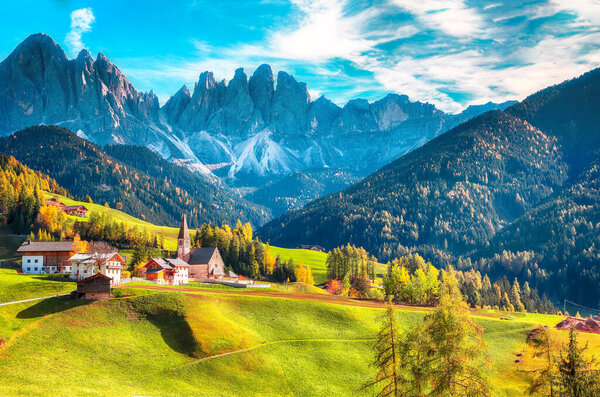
(75, 210)
(45, 256)
(95, 287)
(84, 265)
(311, 247)
(58, 204)
(167, 271)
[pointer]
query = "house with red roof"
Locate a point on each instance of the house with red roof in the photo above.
(167, 271)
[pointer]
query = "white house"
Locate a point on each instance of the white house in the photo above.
(45, 256)
(85, 265)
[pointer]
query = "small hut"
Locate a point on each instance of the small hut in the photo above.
(96, 287)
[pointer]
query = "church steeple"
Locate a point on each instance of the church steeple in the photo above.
(183, 240)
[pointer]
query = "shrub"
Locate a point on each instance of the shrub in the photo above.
(335, 287)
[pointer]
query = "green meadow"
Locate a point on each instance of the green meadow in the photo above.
(164, 343)
(316, 260)
(14, 286)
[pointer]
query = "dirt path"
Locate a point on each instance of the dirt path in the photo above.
(32, 299)
(342, 300)
(265, 344)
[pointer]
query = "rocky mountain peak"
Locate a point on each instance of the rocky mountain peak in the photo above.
(289, 105)
(261, 87)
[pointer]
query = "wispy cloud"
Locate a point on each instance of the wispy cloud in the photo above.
(452, 17)
(452, 53)
(81, 22)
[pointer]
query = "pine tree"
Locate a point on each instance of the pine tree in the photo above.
(457, 345)
(386, 358)
(543, 381)
(576, 376)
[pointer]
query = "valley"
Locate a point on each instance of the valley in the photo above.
(274, 351)
(300, 198)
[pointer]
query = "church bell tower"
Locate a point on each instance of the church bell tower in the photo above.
(183, 241)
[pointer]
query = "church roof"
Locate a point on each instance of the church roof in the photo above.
(201, 256)
(184, 232)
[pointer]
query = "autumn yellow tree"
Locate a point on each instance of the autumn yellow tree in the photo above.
(79, 245)
(268, 261)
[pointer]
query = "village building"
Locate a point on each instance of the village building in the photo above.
(312, 247)
(58, 204)
(167, 271)
(202, 263)
(205, 262)
(49, 257)
(95, 287)
(76, 210)
(84, 265)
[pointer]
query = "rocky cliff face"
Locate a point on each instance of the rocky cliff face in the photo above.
(243, 129)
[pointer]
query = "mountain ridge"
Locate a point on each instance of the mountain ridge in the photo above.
(254, 128)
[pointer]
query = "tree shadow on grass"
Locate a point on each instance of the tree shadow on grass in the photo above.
(175, 330)
(50, 306)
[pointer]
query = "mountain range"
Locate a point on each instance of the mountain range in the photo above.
(247, 132)
(510, 192)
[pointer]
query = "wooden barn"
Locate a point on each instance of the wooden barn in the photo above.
(76, 210)
(312, 247)
(96, 287)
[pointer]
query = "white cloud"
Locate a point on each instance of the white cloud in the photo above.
(586, 10)
(452, 17)
(481, 76)
(453, 61)
(81, 22)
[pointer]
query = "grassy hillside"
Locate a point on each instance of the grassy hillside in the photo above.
(15, 286)
(170, 233)
(315, 259)
(162, 344)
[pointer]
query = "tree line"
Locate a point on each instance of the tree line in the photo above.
(444, 355)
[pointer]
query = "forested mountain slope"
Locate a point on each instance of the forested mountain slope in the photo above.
(454, 193)
(571, 112)
(511, 192)
(85, 169)
(555, 245)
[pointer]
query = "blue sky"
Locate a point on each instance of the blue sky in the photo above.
(452, 53)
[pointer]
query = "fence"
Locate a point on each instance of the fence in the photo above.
(128, 280)
(11, 263)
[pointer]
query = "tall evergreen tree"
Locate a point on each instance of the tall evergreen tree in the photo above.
(387, 358)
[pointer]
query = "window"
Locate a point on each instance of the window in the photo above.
(35, 261)
(28, 260)
(35, 269)
(28, 269)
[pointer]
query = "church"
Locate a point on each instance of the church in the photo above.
(192, 264)
(205, 262)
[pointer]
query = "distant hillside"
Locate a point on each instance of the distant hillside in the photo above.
(456, 198)
(452, 194)
(293, 191)
(557, 243)
(569, 111)
(85, 169)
